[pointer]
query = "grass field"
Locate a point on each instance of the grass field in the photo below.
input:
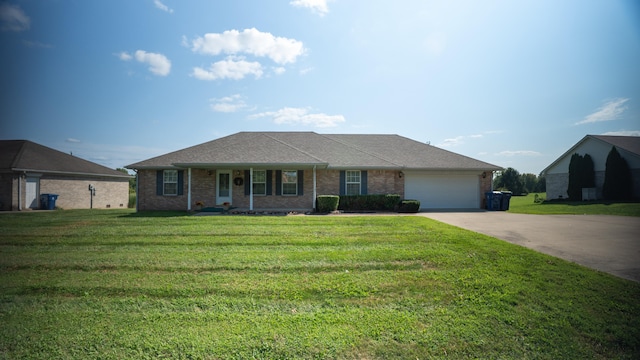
(526, 205)
(114, 284)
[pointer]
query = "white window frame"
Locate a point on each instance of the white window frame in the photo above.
(256, 174)
(170, 177)
(352, 177)
(285, 182)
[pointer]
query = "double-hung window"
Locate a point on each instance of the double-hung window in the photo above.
(259, 182)
(289, 182)
(353, 180)
(170, 182)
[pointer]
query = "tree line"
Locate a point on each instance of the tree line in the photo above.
(510, 179)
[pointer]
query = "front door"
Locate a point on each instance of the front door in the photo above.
(223, 187)
(31, 194)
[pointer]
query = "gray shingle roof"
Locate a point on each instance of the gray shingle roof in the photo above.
(629, 143)
(307, 149)
(24, 155)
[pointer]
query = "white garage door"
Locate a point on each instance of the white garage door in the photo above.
(450, 191)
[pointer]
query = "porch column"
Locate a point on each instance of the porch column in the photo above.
(189, 191)
(251, 189)
(313, 201)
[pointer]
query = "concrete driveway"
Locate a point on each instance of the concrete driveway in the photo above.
(602, 242)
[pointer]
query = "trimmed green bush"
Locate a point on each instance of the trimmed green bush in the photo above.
(409, 206)
(383, 202)
(327, 203)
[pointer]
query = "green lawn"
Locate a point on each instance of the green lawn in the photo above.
(113, 284)
(526, 205)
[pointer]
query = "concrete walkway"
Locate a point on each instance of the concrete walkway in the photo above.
(602, 242)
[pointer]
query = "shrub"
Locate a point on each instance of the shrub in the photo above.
(409, 206)
(617, 178)
(386, 202)
(327, 203)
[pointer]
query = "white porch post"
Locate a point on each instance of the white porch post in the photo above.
(313, 201)
(189, 191)
(251, 189)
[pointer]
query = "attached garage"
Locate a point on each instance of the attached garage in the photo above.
(443, 191)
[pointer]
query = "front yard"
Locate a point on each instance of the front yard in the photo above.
(115, 284)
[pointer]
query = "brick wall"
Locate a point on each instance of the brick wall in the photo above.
(203, 188)
(74, 192)
(485, 186)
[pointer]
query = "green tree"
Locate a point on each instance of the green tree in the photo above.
(132, 181)
(581, 175)
(617, 178)
(509, 180)
(529, 182)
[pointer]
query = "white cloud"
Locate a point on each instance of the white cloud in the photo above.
(158, 63)
(250, 41)
(300, 116)
(12, 18)
(609, 111)
(228, 104)
(623, 133)
(228, 69)
(37, 44)
(279, 70)
(124, 56)
(458, 140)
(162, 6)
(518, 153)
(72, 140)
(317, 6)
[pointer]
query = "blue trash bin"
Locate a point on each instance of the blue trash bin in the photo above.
(494, 200)
(48, 201)
(506, 198)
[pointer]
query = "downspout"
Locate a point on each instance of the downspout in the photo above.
(20, 192)
(251, 189)
(137, 192)
(313, 204)
(189, 191)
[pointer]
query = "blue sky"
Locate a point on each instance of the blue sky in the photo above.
(512, 83)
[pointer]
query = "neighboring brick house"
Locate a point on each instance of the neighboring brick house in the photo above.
(598, 147)
(288, 170)
(28, 170)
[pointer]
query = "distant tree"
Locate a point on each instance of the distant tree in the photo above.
(509, 180)
(541, 185)
(617, 177)
(529, 182)
(588, 177)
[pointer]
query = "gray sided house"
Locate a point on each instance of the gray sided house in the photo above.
(288, 170)
(28, 170)
(598, 147)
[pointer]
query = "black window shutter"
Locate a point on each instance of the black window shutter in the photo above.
(159, 181)
(343, 182)
(269, 182)
(363, 182)
(278, 182)
(180, 182)
(300, 182)
(247, 182)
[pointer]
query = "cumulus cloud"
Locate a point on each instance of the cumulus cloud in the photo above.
(317, 6)
(230, 68)
(162, 6)
(250, 41)
(611, 110)
(228, 104)
(300, 116)
(158, 63)
(518, 153)
(124, 56)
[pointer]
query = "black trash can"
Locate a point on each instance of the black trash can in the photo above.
(506, 198)
(494, 199)
(48, 201)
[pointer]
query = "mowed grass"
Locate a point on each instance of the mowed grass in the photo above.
(115, 284)
(526, 205)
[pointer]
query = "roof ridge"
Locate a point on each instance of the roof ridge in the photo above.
(293, 147)
(360, 149)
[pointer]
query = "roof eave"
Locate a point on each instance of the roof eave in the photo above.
(124, 176)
